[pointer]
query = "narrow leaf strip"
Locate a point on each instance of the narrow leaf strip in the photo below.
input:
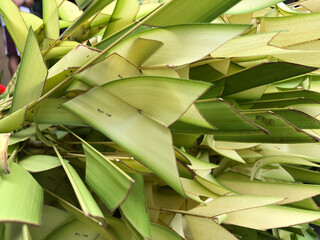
(228, 204)
(51, 19)
(87, 203)
(134, 207)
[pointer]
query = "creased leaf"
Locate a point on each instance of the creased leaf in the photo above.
(134, 136)
(271, 217)
(87, 202)
(196, 40)
(291, 192)
(134, 207)
(110, 183)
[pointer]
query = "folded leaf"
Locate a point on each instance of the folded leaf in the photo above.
(86, 201)
(196, 40)
(110, 183)
(293, 28)
(134, 208)
(111, 68)
(147, 140)
(172, 96)
(291, 192)
(228, 204)
(271, 217)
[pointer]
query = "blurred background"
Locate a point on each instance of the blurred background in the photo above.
(3, 62)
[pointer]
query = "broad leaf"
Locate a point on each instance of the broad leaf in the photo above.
(39, 163)
(73, 229)
(172, 96)
(205, 229)
(111, 119)
(31, 76)
(196, 40)
(293, 28)
(23, 197)
(52, 219)
(110, 183)
(50, 112)
(111, 68)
